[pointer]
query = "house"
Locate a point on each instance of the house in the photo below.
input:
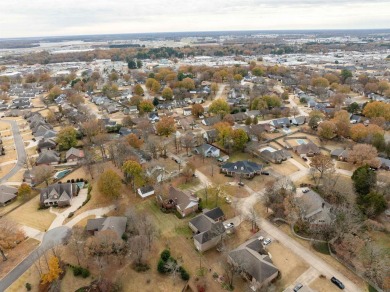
(46, 144)
(74, 154)
(255, 263)
(313, 208)
(355, 119)
(275, 156)
(185, 203)
(210, 238)
(239, 117)
(207, 150)
(153, 117)
(7, 194)
(309, 149)
(204, 221)
(211, 121)
(48, 157)
(59, 194)
(340, 154)
(247, 169)
(298, 121)
(280, 123)
(145, 192)
(29, 177)
(385, 163)
(187, 111)
(115, 224)
(210, 135)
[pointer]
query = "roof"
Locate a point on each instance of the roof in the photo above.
(205, 148)
(254, 260)
(202, 223)
(245, 167)
(59, 192)
(216, 229)
(215, 213)
(48, 157)
(5, 197)
(313, 205)
(74, 151)
(184, 200)
(116, 224)
(307, 148)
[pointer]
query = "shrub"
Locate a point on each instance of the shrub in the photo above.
(125, 237)
(28, 287)
(77, 180)
(80, 271)
(161, 267)
(165, 255)
(141, 267)
(72, 180)
(184, 274)
(215, 275)
(85, 273)
(77, 271)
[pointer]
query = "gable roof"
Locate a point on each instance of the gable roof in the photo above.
(49, 156)
(215, 213)
(307, 148)
(244, 167)
(74, 151)
(216, 229)
(116, 224)
(184, 200)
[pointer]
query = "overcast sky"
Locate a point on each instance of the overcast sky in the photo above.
(19, 18)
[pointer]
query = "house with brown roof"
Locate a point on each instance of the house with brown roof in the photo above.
(184, 202)
(309, 149)
(74, 154)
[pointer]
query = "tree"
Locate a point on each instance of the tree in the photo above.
(153, 85)
(197, 110)
(371, 87)
(92, 128)
(237, 77)
(138, 90)
(345, 74)
(54, 93)
(133, 171)
(377, 109)
(214, 87)
(327, 130)
(110, 184)
(42, 173)
(322, 164)
(332, 78)
(248, 121)
(76, 99)
(54, 271)
(188, 171)
(372, 204)
(165, 126)
(167, 93)
(146, 106)
(132, 64)
(67, 138)
(225, 132)
(10, 236)
(24, 191)
(341, 120)
(320, 84)
(134, 141)
(272, 101)
(257, 71)
(188, 83)
(362, 154)
(358, 132)
(228, 119)
(315, 117)
(219, 107)
(353, 108)
(240, 138)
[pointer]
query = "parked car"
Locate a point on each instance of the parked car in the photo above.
(297, 287)
(241, 184)
(261, 238)
(264, 173)
(228, 200)
(337, 282)
(304, 158)
(229, 225)
(305, 191)
(267, 241)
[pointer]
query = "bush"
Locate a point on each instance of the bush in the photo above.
(141, 267)
(77, 271)
(184, 274)
(80, 271)
(28, 287)
(161, 267)
(85, 273)
(125, 237)
(165, 255)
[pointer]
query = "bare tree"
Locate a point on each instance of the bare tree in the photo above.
(10, 236)
(254, 218)
(43, 173)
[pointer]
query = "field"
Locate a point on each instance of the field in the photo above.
(16, 255)
(28, 214)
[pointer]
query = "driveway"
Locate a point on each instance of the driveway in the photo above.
(20, 151)
(51, 239)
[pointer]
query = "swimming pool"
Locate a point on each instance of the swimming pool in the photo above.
(61, 174)
(301, 141)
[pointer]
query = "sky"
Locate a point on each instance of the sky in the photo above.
(30, 18)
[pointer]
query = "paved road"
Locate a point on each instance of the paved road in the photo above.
(21, 153)
(51, 239)
(313, 260)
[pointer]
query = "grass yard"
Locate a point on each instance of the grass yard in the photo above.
(6, 169)
(83, 222)
(286, 168)
(16, 255)
(29, 215)
(291, 266)
(72, 283)
(30, 276)
(18, 177)
(345, 166)
(4, 126)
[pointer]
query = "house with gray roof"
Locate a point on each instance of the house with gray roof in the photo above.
(7, 194)
(340, 154)
(46, 144)
(210, 238)
(313, 208)
(255, 263)
(48, 157)
(308, 149)
(74, 154)
(211, 121)
(115, 224)
(247, 169)
(58, 195)
(276, 156)
(185, 203)
(207, 150)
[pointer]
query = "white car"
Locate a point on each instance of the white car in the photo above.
(267, 241)
(229, 225)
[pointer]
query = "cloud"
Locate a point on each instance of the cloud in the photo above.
(44, 17)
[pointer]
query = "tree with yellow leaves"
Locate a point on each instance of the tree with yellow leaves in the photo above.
(54, 271)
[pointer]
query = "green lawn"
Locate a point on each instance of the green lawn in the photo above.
(321, 247)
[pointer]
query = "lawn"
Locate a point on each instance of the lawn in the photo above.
(30, 276)
(29, 215)
(286, 168)
(6, 169)
(72, 283)
(290, 265)
(16, 255)
(18, 177)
